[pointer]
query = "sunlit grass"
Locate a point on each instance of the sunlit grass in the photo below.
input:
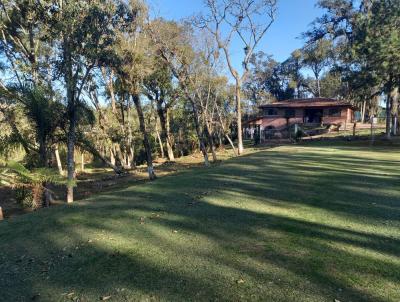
(314, 222)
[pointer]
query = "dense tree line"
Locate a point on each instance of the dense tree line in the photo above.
(102, 78)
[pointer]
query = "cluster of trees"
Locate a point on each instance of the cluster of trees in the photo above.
(270, 80)
(101, 77)
(352, 52)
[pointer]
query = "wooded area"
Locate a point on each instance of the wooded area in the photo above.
(146, 158)
(105, 81)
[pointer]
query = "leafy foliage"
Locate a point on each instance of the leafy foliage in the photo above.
(29, 184)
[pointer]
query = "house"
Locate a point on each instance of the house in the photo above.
(277, 117)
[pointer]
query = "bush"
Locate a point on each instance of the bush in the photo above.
(29, 186)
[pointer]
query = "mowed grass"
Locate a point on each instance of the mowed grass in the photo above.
(292, 223)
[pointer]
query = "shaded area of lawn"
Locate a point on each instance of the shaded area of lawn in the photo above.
(295, 223)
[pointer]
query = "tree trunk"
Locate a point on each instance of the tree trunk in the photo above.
(169, 139)
(210, 141)
(225, 132)
(132, 156)
(42, 151)
(82, 161)
(388, 116)
(146, 143)
(163, 115)
(199, 135)
(70, 157)
(88, 147)
(231, 143)
(160, 142)
(110, 87)
(59, 164)
(47, 196)
(112, 157)
(363, 111)
(71, 137)
(239, 117)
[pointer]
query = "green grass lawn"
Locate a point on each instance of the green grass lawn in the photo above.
(292, 223)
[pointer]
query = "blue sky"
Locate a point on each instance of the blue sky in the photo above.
(294, 17)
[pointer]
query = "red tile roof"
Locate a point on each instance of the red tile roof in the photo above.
(308, 103)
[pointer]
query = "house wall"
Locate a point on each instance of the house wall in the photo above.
(279, 121)
(345, 117)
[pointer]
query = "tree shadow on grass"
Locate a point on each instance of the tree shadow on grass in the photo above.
(187, 238)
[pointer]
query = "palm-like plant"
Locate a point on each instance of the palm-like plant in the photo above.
(45, 114)
(30, 185)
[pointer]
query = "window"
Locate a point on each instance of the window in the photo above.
(271, 111)
(290, 113)
(335, 112)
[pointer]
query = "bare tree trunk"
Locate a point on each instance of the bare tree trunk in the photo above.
(58, 160)
(112, 157)
(70, 158)
(363, 111)
(160, 142)
(150, 168)
(169, 139)
(388, 116)
(47, 196)
(210, 141)
(71, 136)
(395, 94)
(231, 143)
(110, 87)
(82, 161)
(163, 115)
(199, 134)
(132, 156)
(239, 117)
(225, 132)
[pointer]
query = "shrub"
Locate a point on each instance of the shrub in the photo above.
(30, 186)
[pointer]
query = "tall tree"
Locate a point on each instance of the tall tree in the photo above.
(173, 43)
(86, 31)
(369, 31)
(135, 64)
(248, 20)
(159, 88)
(317, 56)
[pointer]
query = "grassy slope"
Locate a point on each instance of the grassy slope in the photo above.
(306, 223)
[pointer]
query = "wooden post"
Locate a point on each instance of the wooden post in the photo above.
(1, 214)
